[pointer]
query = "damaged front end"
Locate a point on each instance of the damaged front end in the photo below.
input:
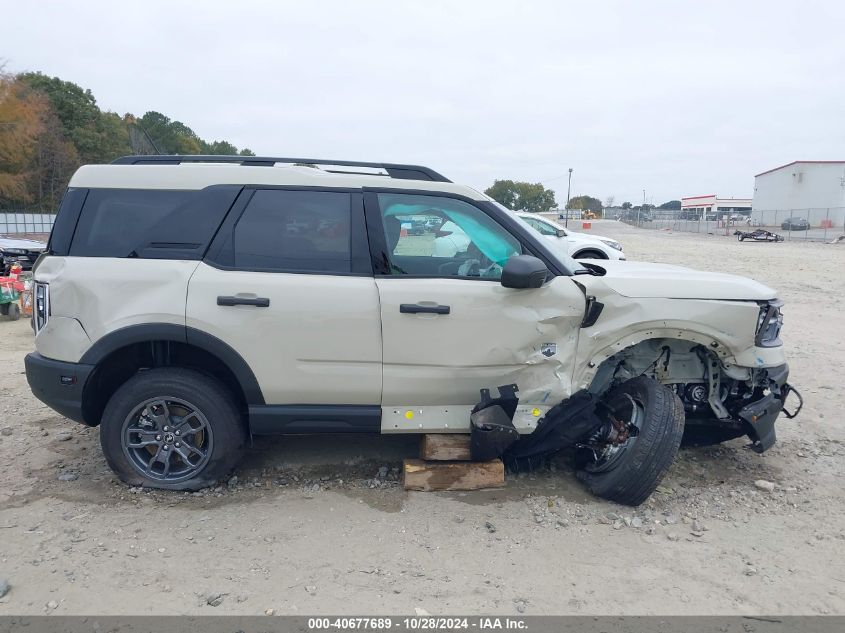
(492, 433)
(720, 403)
(759, 411)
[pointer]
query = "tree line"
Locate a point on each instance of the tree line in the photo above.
(49, 127)
(535, 198)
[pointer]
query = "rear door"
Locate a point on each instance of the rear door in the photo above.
(449, 327)
(288, 284)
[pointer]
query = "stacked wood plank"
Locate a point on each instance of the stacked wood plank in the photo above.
(445, 465)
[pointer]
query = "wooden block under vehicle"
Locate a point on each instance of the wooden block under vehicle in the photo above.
(445, 447)
(428, 476)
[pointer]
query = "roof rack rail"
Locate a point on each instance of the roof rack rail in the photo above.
(394, 170)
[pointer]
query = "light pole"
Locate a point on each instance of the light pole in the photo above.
(642, 208)
(568, 190)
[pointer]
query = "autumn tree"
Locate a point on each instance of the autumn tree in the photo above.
(54, 160)
(98, 137)
(20, 125)
(49, 127)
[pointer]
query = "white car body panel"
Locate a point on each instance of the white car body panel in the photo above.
(319, 341)
(645, 280)
(104, 294)
(493, 336)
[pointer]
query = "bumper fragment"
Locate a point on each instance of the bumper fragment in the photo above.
(760, 416)
(58, 384)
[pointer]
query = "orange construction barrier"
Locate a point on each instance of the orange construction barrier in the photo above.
(586, 225)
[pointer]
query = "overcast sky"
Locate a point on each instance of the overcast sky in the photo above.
(677, 98)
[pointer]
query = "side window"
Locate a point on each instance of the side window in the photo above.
(443, 237)
(545, 229)
(294, 231)
(150, 223)
(541, 227)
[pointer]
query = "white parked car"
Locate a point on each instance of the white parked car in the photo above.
(577, 245)
(177, 311)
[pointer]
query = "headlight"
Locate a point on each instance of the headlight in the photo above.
(769, 323)
(12, 251)
(613, 244)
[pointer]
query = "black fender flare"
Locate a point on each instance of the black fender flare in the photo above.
(590, 249)
(141, 333)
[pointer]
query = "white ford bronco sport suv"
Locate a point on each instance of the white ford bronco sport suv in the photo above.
(186, 303)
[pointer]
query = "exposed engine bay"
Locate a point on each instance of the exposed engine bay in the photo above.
(720, 401)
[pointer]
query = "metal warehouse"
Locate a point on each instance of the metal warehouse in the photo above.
(810, 189)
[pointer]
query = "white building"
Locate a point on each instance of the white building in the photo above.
(812, 189)
(712, 207)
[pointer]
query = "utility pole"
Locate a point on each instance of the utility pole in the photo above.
(568, 190)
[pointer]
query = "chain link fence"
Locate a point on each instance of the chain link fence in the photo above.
(820, 224)
(25, 223)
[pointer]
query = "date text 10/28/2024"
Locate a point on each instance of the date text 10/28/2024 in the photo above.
(419, 623)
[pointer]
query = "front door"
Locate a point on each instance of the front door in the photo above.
(449, 328)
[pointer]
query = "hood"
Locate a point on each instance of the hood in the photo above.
(589, 237)
(643, 280)
(14, 242)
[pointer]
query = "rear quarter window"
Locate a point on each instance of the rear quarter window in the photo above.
(150, 223)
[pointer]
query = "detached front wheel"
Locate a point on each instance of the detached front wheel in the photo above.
(626, 459)
(172, 428)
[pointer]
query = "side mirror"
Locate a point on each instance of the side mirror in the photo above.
(524, 271)
(560, 233)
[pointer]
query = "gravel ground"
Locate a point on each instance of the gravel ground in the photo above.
(317, 525)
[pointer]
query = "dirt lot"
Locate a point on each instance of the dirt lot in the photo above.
(320, 525)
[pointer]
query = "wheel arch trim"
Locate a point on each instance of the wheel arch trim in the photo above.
(598, 356)
(590, 249)
(141, 333)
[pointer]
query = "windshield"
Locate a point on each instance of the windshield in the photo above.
(560, 254)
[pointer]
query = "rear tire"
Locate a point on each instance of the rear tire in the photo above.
(14, 311)
(172, 428)
(631, 474)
